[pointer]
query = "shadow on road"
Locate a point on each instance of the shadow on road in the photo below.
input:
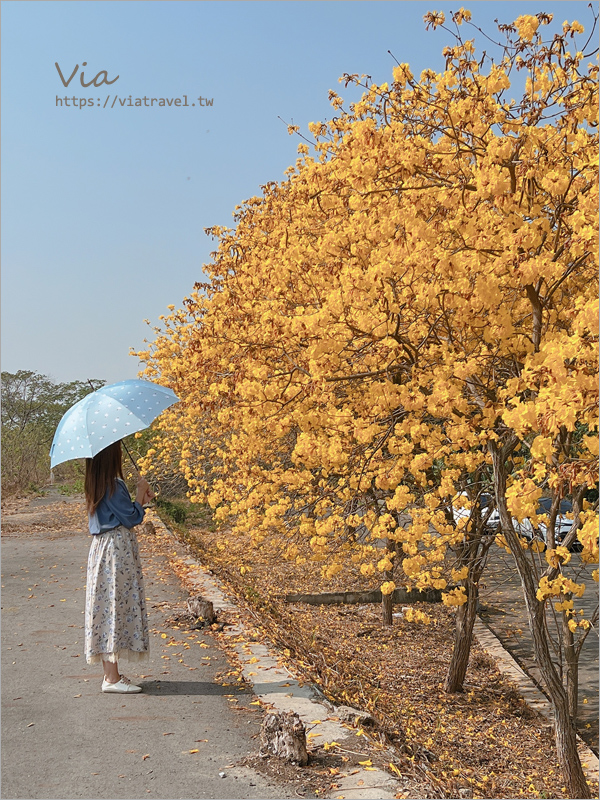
(187, 688)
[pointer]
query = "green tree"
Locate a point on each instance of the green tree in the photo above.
(32, 407)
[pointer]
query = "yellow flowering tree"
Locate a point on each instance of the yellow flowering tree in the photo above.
(405, 328)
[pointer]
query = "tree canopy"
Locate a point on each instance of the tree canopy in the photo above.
(407, 324)
(420, 288)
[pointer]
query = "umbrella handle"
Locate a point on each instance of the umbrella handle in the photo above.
(135, 466)
(131, 458)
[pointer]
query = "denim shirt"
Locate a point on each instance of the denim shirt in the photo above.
(115, 510)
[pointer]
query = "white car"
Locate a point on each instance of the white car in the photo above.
(561, 528)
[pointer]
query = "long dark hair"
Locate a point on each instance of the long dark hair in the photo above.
(101, 473)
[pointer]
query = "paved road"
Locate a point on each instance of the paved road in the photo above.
(63, 738)
(503, 610)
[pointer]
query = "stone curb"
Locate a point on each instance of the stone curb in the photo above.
(534, 698)
(277, 688)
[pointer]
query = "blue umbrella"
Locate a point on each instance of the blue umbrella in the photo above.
(107, 415)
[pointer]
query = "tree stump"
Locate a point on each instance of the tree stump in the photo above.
(354, 716)
(200, 608)
(284, 735)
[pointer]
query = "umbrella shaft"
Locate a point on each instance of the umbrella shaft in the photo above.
(130, 456)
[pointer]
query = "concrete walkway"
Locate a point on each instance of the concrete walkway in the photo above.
(63, 738)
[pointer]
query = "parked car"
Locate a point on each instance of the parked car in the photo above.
(562, 525)
(525, 528)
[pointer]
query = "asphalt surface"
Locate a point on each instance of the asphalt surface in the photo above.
(503, 610)
(63, 738)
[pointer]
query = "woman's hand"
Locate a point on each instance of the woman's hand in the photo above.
(149, 497)
(144, 493)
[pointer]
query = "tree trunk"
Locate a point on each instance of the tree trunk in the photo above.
(387, 602)
(386, 610)
(566, 742)
(463, 639)
(473, 556)
(566, 749)
(386, 599)
(572, 663)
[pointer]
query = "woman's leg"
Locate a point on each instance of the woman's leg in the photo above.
(111, 671)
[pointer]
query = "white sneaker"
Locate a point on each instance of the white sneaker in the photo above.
(122, 686)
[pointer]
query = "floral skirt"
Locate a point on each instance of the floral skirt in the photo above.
(116, 623)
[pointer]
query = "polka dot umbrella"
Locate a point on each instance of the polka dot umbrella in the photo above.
(107, 415)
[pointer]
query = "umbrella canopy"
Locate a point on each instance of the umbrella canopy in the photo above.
(107, 415)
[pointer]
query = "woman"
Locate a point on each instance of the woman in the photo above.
(116, 624)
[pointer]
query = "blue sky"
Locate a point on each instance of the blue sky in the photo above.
(104, 209)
